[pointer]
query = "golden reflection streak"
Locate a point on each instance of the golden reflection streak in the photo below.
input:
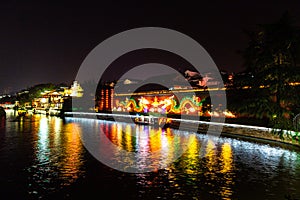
(164, 142)
(192, 155)
(128, 138)
(227, 166)
(113, 134)
(210, 154)
(191, 158)
(72, 162)
(226, 158)
(119, 135)
(171, 143)
(155, 141)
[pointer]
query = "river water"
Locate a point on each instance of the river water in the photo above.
(43, 157)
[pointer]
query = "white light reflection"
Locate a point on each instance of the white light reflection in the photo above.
(82, 114)
(43, 141)
(57, 130)
(262, 156)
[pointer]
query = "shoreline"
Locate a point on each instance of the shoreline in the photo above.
(248, 133)
(240, 131)
(262, 137)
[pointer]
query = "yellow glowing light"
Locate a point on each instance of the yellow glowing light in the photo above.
(155, 103)
(192, 155)
(229, 114)
(192, 109)
(144, 101)
(128, 138)
(227, 165)
(72, 161)
(210, 154)
(226, 157)
(155, 142)
(43, 100)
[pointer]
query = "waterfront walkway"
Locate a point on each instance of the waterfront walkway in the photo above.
(257, 133)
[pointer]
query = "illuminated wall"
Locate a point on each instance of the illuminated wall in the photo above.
(187, 103)
(165, 104)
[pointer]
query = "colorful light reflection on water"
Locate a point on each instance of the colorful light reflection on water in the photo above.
(44, 156)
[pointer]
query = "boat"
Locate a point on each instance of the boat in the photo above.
(152, 121)
(22, 111)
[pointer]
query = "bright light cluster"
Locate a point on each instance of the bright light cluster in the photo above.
(167, 104)
(164, 104)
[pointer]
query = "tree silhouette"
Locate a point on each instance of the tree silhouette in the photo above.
(271, 57)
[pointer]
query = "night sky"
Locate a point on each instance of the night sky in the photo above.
(47, 42)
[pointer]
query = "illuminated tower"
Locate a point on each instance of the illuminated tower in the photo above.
(105, 98)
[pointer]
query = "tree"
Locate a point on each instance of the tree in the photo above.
(271, 57)
(35, 91)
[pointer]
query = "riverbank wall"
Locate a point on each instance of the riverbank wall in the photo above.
(246, 132)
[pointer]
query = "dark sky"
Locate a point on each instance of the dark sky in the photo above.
(47, 42)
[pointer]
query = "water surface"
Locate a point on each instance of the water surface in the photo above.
(44, 157)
